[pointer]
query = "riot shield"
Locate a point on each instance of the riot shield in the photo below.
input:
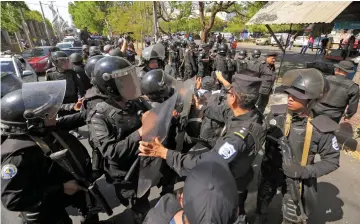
(157, 124)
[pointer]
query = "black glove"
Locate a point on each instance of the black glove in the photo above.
(296, 171)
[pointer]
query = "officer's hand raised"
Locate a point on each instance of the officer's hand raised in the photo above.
(71, 187)
(153, 149)
(219, 76)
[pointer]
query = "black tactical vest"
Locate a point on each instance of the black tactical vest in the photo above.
(221, 64)
(241, 64)
(337, 95)
(296, 138)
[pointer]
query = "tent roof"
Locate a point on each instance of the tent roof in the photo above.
(298, 12)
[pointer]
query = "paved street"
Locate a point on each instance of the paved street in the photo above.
(338, 192)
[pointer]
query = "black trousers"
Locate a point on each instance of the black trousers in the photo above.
(262, 102)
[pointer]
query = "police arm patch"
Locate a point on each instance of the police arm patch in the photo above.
(227, 150)
(8, 171)
(335, 144)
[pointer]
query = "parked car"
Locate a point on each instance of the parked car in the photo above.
(299, 41)
(71, 50)
(281, 37)
(70, 39)
(263, 41)
(64, 45)
(18, 66)
(37, 58)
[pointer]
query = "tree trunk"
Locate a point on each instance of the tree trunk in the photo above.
(204, 35)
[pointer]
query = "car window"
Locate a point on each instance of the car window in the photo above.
(8, 67)
(63, 45)
(20, 65)
(36, 52)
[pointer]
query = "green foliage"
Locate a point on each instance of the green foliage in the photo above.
(48, 23)
(33, 15)
(89, 14)
(190, 25)
(10, 15)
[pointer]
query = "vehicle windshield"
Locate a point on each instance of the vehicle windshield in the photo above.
(61, 46)
(69, 39)
(8, 67)
(36, 52)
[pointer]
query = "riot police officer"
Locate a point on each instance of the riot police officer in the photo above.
(241, 63)
(153, 57)
(221, 62)
(343, 94)
(302, 136)
(190, 67)
(268, 76)
(78, 67)
(74, 86)
(182, 50)
(238, 144)
(231, 63)
(115, 128)
(172, 67)
(203, 64)
(85, 51)
(157, 85)
(94, 50)
(116, 52)
(50, 64)
(32, 183)
(255, 54)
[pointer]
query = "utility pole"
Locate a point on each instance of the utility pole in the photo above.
(26, 29)
(46, 30)
(155, 21)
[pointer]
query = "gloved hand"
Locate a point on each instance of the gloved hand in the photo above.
(296, 171)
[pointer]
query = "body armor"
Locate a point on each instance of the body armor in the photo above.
(296, 139)
(241, 64)
(268, 78)
(337, 95)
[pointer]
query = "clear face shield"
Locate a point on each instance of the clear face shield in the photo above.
(63, 63)
(126, 82)
(42, 100)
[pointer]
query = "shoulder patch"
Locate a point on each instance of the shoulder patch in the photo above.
(227, 150)
(335, 144)
(8, 171)
(325, 124)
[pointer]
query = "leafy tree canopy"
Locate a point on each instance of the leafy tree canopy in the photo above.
(10, 15)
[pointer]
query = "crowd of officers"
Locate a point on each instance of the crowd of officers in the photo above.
(213, 146)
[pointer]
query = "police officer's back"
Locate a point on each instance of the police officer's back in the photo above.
(343, 93)
(78, 67)
(220, 61)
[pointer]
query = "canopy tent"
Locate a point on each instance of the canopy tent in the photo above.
(298, 12)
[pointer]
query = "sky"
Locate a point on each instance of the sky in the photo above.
(62, 6)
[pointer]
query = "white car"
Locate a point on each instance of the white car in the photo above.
(299, 40)
(18, 66)
(69, 39)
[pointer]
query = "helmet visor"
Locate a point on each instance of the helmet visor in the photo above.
(63, 63)
(127, 83)
(43, 99)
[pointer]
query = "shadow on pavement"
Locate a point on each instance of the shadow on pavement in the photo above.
(329, 208)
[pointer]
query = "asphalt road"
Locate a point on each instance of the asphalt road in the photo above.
(338, 192)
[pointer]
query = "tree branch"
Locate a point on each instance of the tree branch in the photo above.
(201, 13)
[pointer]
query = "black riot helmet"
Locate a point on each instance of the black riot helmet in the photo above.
(223, 49)
(326, 67)
(9, 83)
(76, 58)
(30, 105)
(90, 65)
(309, 84)
(256, 53)
(60, 60)
(116, 52)
(156, 51)
(172, 46)
(116, 77)
(232, 52)
(242, 54)
(85, 48)
(94, 50)
(157, 85)
(184, 43)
